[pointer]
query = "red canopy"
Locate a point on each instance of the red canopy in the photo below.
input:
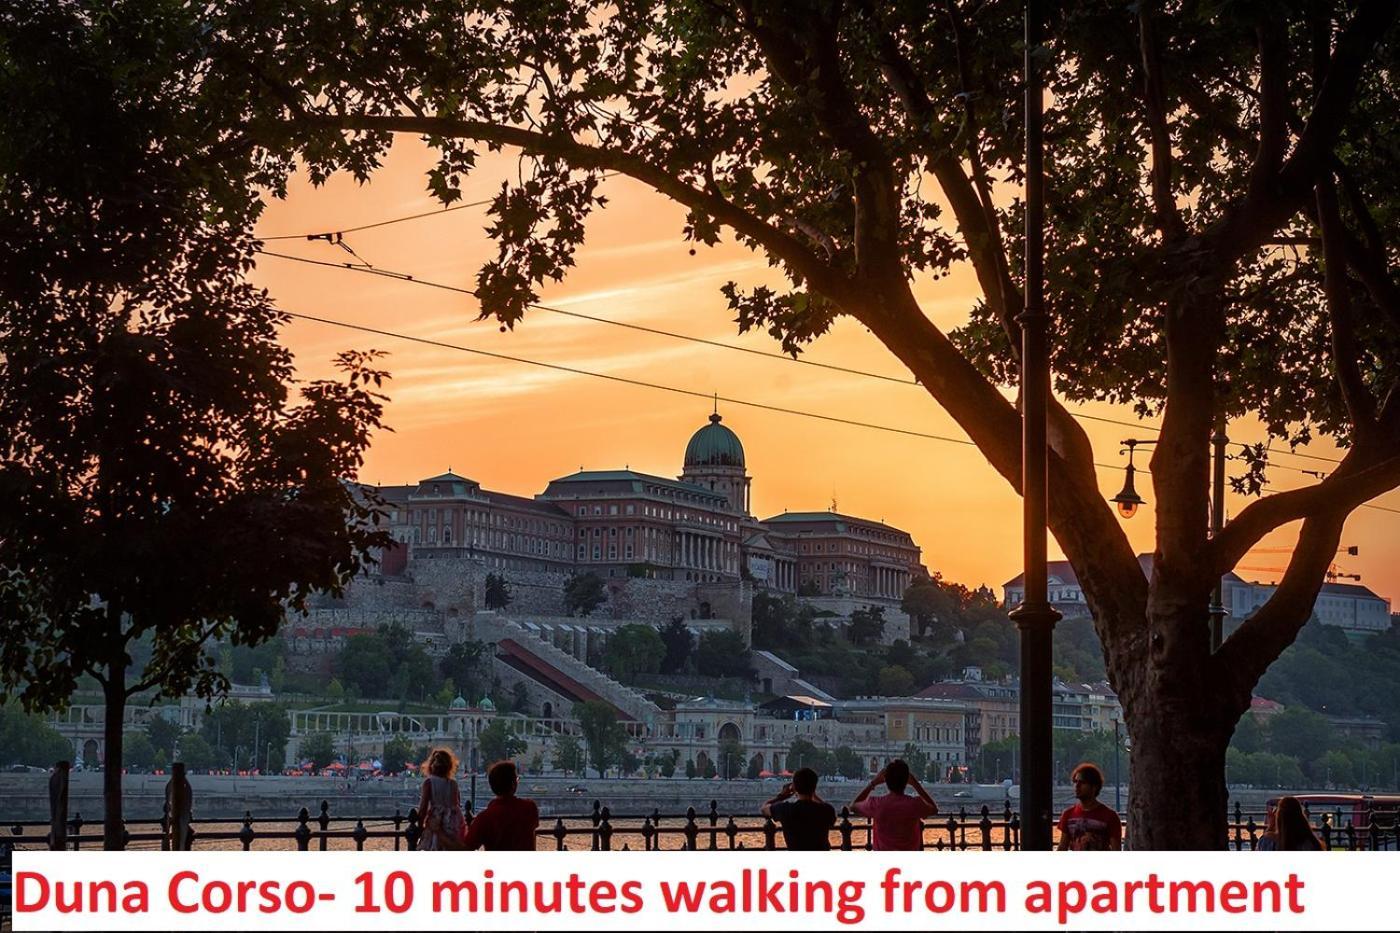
(335, 766)
(785, 773)
(764, 774)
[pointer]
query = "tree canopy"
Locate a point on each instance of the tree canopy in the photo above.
(604, 736)
(158, 475)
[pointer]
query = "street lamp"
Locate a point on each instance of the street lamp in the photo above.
(1128, 502)
(1035, 617)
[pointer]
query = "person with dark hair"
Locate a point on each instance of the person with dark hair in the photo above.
(1089, 826)
(509, 822)
(806, 821)
(897, 818)
(439, 805)
(1295, 832)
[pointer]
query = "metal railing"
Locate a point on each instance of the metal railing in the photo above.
(602, 830)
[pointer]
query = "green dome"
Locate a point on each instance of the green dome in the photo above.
(459, 703)
(486, 704)
(714, 445)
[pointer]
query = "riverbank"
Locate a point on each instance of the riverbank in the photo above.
(25, 796)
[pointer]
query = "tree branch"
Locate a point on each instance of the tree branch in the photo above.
(1367, 257)
(803, 53)
(1341, 492)
(1346, 352)
(980, 230)
(1257, 643)
(1245, 224)
(1273, 106)
(781, 244)
(1154, 96)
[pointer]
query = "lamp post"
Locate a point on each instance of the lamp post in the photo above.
(1035, 617)
(1117, 774)
(1128, 502)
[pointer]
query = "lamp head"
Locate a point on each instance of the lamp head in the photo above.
(1128, 500)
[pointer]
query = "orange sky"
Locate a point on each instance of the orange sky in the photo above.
(513, 427)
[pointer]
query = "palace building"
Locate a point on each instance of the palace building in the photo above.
(696, 527)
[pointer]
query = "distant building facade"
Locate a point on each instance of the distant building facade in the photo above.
(619, 523)
(1356, 610)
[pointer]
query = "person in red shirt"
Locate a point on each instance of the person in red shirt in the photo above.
(898, 818)
(509, 822)
(1089, 826)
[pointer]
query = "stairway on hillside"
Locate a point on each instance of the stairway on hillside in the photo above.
(629, 702)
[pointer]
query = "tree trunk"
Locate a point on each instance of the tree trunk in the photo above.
(1177, 796)
(113, 826)
(1179, 711)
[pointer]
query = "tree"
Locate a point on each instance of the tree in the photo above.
(499, 741)
(568, 754)
(319, 749)
(138, 751)
(385, 663)
(848, 763)
(732, 757)
(250, 662)
(918, 762)
(497, 594)
(997, 760)
(519, 697)
(398, 754)
(668, 766)
(1189, 153)
(723, 654)
(895, 681)
(584, 592)
(156, 474)
(934, 606)
(199, 755)
(772, 622)
(1298, 733)
(679, 642)
(867, 625)
(1249, 737)
(803, 754)
(602, 733)
(466, 664)
(251, 734)
(633, 650)
(165, 738)
(690, 770)
(25, 739)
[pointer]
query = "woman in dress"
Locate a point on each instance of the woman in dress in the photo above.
(1295, 833)
(439, 804)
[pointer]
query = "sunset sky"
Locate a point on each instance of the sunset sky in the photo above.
(513, 427)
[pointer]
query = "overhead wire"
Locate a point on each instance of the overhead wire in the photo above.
(719, 344)
(692, 393)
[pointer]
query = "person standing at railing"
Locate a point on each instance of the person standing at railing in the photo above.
(1268, 839)
(806, 821)
(440, 804)
(897, 818)
(1089, 826)
(1295, 833)
(509, 822)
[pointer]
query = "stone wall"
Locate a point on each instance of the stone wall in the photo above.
(896, 621)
